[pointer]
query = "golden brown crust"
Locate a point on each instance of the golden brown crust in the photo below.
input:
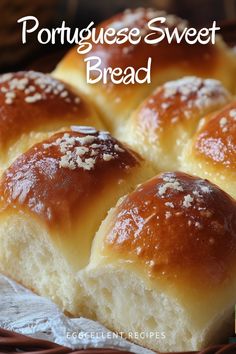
(169, 62)
(215, 142)
(173, 110)
(182, 55)
(32, 101)
(179, 226)
(178, 103)
(64, 175)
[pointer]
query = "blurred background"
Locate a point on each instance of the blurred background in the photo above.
(78, 13)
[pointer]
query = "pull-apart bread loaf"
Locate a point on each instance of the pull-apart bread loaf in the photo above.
(53, 199)
(163, 261)
(169, 62)
(212, 151)
(163, 124)
(33, 106)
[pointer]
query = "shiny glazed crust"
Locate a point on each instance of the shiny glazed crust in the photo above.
(181, 228)
(36, 102)
(60, 177)
(215, 142)
(169, 62)
(171, 243)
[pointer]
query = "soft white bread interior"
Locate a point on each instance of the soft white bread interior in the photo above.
(162, 125)
(212, 151)
(33, 107)
(53, 199)
(169, 62)
(163, 261)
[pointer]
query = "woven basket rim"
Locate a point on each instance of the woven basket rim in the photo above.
(12, 342)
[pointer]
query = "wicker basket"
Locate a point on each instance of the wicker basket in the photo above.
(11, 342)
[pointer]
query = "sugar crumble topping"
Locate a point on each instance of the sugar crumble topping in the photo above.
(174, 185)
(169, 204)
(196, 93)
(107, 157)
(216, 140)
(141, 16)
(34, 86)
(232, 114)
(167, 214)
(187, 199)
(205, 189)
(198, 225)
(84, 151)
(223, 124)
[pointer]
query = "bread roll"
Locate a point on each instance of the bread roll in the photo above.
(53, 199)
(33, 106)
(169, 62)
(212, 151)
(162, 125)
(163, 261)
